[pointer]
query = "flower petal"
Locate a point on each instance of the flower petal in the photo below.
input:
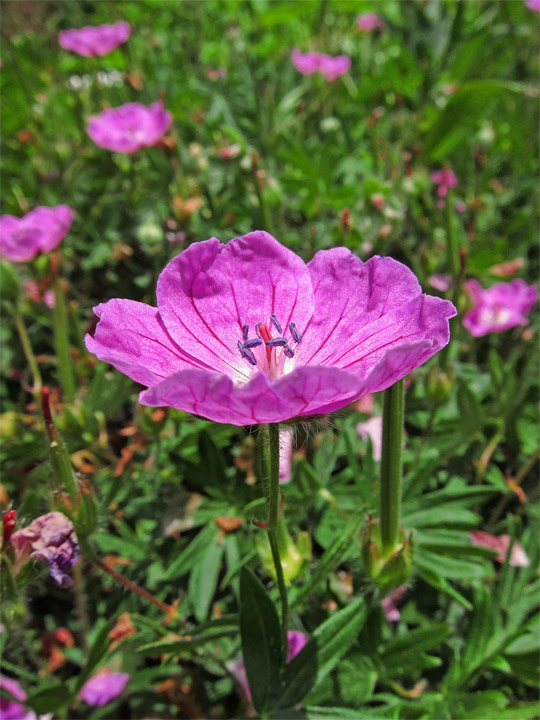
(305, 391)
(131, 337)
(206, 295)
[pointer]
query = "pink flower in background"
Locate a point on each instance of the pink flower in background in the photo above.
(333, 67)
(366, 404)
(52, 538)
(389, 603)
(306, 63)
(39, 231)
(508, 268)
(285, 455)
(366, 22)
(9, 709)
(130, 127)
(103, 687)
(372, 429)
(445, 179)
(533, 5)
(94, 40)
(502, 306)
(36, 293)
(440, 282)
(500, 544)
(237, 669)
(247, 333)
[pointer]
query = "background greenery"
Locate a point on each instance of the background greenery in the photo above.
(264, 147)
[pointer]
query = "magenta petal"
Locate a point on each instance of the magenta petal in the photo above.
(131, 337)
(91, 41)
(305, 391)
(209, 292)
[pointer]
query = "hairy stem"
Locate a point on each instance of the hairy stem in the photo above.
(391, 466)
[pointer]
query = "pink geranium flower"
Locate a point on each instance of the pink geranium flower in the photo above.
(247, 333)
(440, 282)
(445, 179)
(285, 455)
(51, 537)
(237, 669)
(390, 603)
(533, 5)
(500, 544)
(372, 430)
(502, 306)
(306, 63)
(11, 710)
(366, 22)
(130, 127)
(39, 231)
(103, 687)
(333, 67)
(94, 40)
(330, 67)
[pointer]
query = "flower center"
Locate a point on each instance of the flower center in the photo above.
(266, 352)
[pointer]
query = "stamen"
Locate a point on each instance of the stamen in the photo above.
(294, 332)
(276, 324)
(247, 354)
(255, 342)
(289, 352)
(276, 342)
(245, 331)
(257, 332)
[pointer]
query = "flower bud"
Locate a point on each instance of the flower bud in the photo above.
(390, 572)
(439, 385)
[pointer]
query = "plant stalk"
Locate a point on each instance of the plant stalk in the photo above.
(28, 352)
(272, 501)
(391, 466)
(61, 342)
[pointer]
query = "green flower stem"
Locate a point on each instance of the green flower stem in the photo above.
(452, 247)
(28, 352)
(272, 501)
(80, 603)
(61, 342)
(390, 490)
(60, 460)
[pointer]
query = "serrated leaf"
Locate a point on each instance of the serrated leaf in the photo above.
(261, 638)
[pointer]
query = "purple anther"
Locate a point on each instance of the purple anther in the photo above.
(294, 332)
(275, 322)
(289, 352)
(247, 354)
(255, 342)
(276, 342)
(257, 332)
(245, 331)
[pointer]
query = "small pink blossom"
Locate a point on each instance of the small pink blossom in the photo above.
(533, 5)
(285, 455)
(460, 206)
(94, 40)
(38, 294)
(103, 687)
(366, 404)
(372, 429)
(389, 603)
(445, 179)
(333, 67)
(306, 63)
(297, 641)
(442, 283)
(51, 537)
(502, 306)
(500, 544)
(39, 231)
(507, 269)
(247, 333)
(9, 709)
(330, 67)
(130, 127)
(366, 22)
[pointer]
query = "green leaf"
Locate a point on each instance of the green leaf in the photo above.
(203, 580)
(49, 699)
(97, 651)
(261, 639)
(297, 679)
(191, 554)
(181, 646)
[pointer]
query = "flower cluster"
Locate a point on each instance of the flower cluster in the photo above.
(247, 333)
(330, 67)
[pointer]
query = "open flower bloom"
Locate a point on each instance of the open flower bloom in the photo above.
(500, 544)
(502, 306)
(39, 231)
(103, 687)
(331, 67)
(94, 40)
(52, 538)
(366, 22)
(247, 333)
(445, 179)
(129, 127)
(297, 640)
